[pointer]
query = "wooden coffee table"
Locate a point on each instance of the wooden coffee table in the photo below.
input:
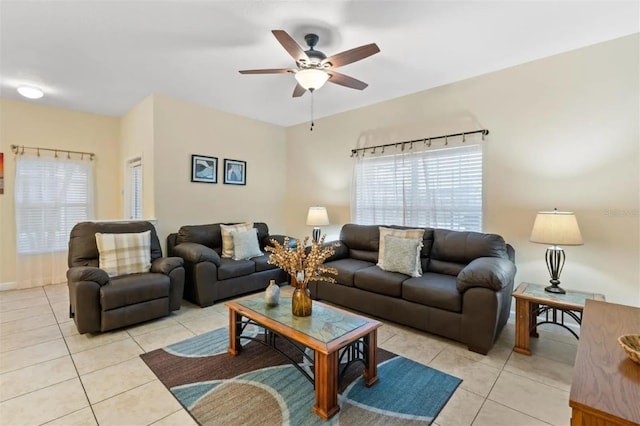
(532, 301)
(327, 332)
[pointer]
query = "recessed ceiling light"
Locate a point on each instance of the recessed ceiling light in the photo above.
(30, 92)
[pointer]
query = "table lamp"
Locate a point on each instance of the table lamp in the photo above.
(557, 229)
(317, 217)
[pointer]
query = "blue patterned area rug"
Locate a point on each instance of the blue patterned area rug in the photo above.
(261, 387)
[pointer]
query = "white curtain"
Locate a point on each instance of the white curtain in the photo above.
(51, 196)
(439, 188)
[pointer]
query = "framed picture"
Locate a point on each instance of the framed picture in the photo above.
(204, 169)
(235, 172)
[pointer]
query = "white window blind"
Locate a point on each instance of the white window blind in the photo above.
(51, 196)
(134, 189)
(439, 188)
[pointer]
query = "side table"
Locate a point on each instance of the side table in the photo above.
(532, 301)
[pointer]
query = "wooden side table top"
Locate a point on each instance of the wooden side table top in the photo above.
(606, 383)
(572, 300)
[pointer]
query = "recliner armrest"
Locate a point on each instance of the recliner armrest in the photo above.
(87, 273)
(164, 265)
(493, 273)
(196, 253)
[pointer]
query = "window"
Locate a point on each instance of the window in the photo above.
(133, 189)
(51, 196)
(440, 188)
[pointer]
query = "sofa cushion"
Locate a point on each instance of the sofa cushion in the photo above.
(134, 288)
(230, 268)
(464, 247)
(227, 239)
(378, 281)
(347, 268)
(83, 250)
(124, 253)
(360, 237)
(402, 255)
(262, 263)
(414, 234)
(207, 235)
(435, 290)
(245, 244)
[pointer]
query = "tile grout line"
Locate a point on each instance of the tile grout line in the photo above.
(521, 412)
(496, 402)
(75, 367)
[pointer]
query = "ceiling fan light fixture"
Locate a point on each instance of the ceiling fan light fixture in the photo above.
(311, 78)
(30, 92)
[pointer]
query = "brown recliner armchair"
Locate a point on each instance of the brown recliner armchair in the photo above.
(98, 302)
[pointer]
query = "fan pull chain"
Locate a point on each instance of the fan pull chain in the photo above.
(312, 124)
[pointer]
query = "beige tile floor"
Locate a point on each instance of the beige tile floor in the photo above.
(49, 374)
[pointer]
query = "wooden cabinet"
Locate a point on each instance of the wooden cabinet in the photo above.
(606, 384)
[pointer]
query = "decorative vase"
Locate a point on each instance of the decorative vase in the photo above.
(272, 294)
(301, 301)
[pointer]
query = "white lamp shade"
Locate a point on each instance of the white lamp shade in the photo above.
(317, 216)
(556, 228)
(311, 79)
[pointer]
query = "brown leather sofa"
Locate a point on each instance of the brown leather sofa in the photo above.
(211, 277)
(99, 303)
(463, 294)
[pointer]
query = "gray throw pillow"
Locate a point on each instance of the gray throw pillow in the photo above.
(245, 244)
(402, 255)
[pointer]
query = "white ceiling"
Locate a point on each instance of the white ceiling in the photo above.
(106, 56)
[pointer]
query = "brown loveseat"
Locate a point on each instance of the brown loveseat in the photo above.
(211, 277)
(100, 303)
(463, 294)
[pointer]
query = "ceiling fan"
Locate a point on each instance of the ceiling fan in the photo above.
(314, 68)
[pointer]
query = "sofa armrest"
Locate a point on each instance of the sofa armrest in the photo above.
(87, 273)
(493, 273)
(341, 251)
(196, 253)
(164, 265)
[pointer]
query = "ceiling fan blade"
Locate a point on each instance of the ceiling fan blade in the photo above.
(345, 80)
(290, 45)
(298, 91)
(352, 55)
(267, 71)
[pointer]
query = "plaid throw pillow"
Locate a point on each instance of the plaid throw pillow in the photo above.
(122, 254)
(227, 239)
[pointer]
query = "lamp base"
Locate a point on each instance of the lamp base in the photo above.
(555, 262)
(316, 233)
(554, 288)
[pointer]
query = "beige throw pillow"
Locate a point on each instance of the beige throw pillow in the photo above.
(402, 255)
(122, 254)
(400, 233)
(245, 244)
(227, 239)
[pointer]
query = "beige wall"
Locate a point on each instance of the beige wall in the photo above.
(137, 140)
(165, 132)
(564, 133)
(25, 123)
(182, 129)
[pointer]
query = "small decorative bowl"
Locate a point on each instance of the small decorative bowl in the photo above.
(631, 345)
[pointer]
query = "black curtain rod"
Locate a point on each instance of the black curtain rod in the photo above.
(425, 140)
(20, 150)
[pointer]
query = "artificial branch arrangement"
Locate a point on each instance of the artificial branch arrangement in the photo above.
(302, 263)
